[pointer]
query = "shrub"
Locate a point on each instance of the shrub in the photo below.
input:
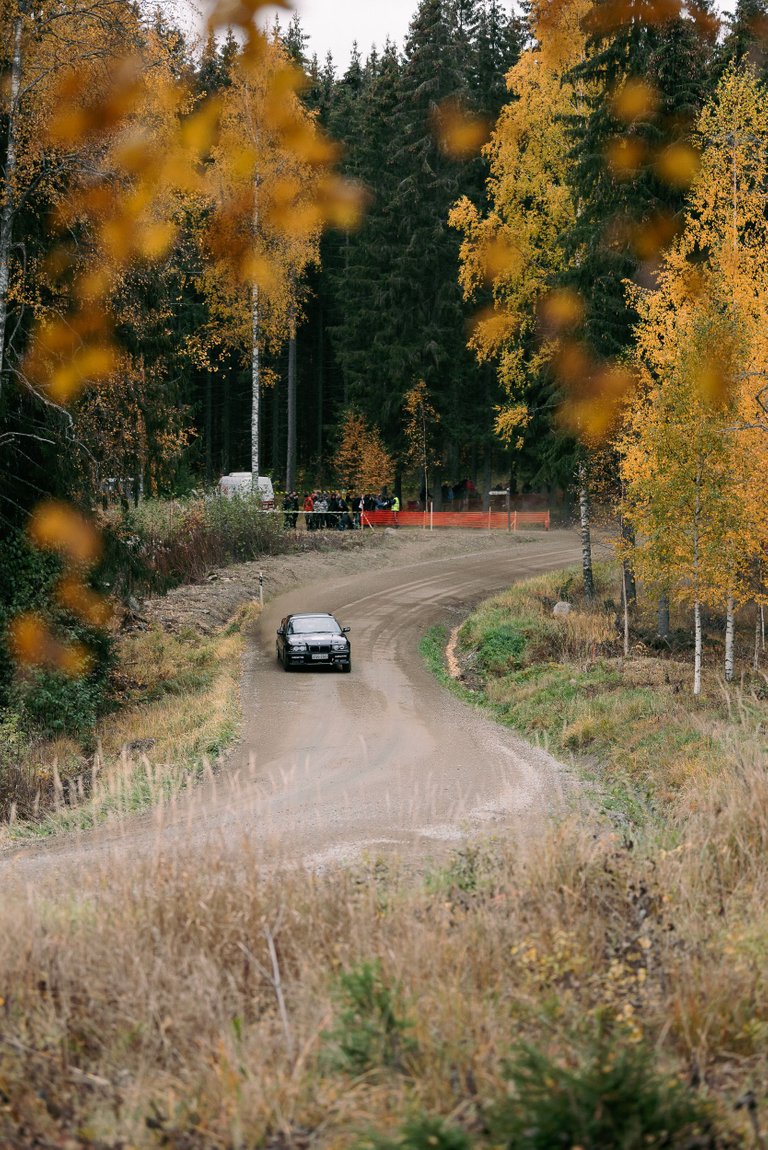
(51, 703)
(501, 649)
(421, 1133)
(608, 1096)
(160, 544)
(47, 702)
(370, 1031)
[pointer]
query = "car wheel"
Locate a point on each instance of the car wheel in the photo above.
(347, 667)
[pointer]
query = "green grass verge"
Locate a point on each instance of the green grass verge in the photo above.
(562, 684)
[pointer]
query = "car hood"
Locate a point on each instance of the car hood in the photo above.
(326, 636)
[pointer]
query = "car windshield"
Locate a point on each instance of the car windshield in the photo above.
(315, 623)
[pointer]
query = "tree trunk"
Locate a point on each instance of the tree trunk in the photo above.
(625, 604)
(255, 389)
(320, 383)
(630, 586)
(225, 427)
(586, 536)
(290, 462)
(276, 399)
(696, 581)
(208, 428)
(756, 654)
(487, 476)
(662, 626)
(9, 176)
(697, 649)
(729, 630)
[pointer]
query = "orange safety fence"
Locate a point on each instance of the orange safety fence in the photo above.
(488, 520)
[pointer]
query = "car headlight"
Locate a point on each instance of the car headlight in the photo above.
(298, 646)
(339, 644)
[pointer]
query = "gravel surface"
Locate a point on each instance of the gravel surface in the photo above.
(333, 767)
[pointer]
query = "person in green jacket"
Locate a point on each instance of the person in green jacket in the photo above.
(395, 509)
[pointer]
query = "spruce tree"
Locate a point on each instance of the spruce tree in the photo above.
(627, 205)
(431, 341)
(498, 41)
(747, 37)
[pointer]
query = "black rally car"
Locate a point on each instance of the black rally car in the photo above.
(313, 639)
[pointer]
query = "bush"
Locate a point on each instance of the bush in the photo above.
(421, 1133)
(160, 544)
(608, 1096)
(51, 703)
(47, 702)
(370, 1032)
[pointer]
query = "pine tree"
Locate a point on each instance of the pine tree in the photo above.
(498, 41)
(367, 300)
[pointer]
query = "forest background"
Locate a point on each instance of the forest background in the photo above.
(497, 295)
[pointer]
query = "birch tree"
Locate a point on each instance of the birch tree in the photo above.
(265, 191)
(699, 428)
(514, 248)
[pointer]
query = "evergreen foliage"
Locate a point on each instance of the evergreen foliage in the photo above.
(623, 193)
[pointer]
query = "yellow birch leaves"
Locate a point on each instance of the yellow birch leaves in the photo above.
(694, 451)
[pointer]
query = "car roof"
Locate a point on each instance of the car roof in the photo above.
(311, 615)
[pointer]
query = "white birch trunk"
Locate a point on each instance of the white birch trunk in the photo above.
(729, 633)
(697, 649)
(586, 537)
(8, 194)
(756, 653)
(696, 583)
(255, 389)
(662, 626)
(625, 602)
(290, 467)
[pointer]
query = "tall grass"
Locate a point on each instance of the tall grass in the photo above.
(179, 709)
(193, 999)
(592, 987)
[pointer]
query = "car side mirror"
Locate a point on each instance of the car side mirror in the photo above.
(345, 630)
(281, 630)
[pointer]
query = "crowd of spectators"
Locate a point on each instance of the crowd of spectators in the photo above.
(333, 510)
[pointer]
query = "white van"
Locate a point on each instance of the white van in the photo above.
(239, 483)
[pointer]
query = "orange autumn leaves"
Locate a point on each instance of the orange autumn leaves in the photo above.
(362, 463)
(693, 449)
(59, 528)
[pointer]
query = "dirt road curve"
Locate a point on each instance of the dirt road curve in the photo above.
(332, 766)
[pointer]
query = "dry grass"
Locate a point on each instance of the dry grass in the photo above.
(180, 708)
(195, 1001)
(150, 1009)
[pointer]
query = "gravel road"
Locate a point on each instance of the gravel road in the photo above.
(333, 767)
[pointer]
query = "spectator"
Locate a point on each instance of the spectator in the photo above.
(309, 505)
(321, 510)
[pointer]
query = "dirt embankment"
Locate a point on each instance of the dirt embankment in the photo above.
(210, 605)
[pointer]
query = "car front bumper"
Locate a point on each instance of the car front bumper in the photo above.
(314, 659)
